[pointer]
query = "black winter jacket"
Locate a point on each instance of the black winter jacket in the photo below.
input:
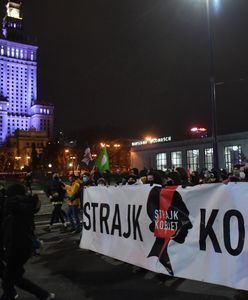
(18, 226)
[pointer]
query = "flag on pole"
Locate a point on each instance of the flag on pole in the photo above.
(102, 162)
(87, 156)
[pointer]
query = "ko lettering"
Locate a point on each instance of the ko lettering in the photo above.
(207, 231)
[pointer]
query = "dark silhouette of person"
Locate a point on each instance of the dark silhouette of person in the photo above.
(55, 191)
(29, 181)
(170, 221)
(17, 242)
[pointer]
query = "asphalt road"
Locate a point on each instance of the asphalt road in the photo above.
(75, 274)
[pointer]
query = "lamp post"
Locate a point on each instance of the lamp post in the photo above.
(72, 163)
(212, 86)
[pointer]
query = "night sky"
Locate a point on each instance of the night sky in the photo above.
(140, 65)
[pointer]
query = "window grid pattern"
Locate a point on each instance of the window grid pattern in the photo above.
(232, 156)
(176, 159)
(18, 84)
(208, 158)
(161, 161)
(193, 160)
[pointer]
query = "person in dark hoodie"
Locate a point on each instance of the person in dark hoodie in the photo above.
(55, 191)
(17, 242)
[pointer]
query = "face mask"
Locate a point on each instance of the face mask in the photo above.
(242, 175)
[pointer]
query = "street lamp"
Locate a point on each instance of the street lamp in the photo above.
(72, 163)
(212, 87)
(117, 145)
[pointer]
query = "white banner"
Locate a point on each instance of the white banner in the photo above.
(196, 232)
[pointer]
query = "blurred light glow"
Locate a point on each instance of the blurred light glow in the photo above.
(194, 129)
(216, 4)
(198, 129)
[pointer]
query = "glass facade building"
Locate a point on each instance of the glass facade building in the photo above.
(194, 154)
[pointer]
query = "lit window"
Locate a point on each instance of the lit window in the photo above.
(233, 156)
(48, 111)
(176, 159)
(193, 160)
(12, 52)
(21, 53)
(161, 161)
(2, 50)
(209, 159)
(17, 53)
(32, 56)
(41, 110)
(8, 51)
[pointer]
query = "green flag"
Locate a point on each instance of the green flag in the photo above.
(102, 162)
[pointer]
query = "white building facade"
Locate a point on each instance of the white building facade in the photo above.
(19, 106)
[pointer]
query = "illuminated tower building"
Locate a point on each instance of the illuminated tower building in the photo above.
(19, 107)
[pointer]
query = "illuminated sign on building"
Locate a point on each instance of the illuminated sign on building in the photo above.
(152, 141)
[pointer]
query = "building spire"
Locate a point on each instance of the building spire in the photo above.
(12, 22)
(13, 9)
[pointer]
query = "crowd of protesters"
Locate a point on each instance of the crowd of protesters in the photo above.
(175, 176)
(59, 192)
(181, 176)
(18, 205)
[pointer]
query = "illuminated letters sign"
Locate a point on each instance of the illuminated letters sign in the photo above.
(152, 141)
